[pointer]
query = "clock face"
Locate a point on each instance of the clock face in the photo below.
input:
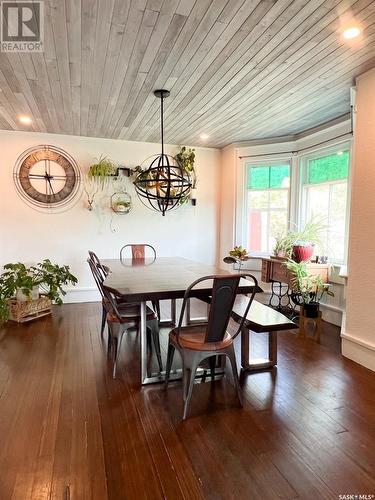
(46, 177)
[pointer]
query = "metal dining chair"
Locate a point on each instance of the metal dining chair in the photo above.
(121, 317)
(104, 271)
(208, 340)
(138, 251)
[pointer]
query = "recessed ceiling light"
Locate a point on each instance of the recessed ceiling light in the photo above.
(204, 137)
(25, 120)
(351, 32)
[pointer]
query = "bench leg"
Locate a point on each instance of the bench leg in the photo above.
(248, 364)
(272, 347)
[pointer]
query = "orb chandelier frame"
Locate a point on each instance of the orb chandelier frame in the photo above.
(164, 185)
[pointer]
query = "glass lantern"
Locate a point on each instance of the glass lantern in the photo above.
(121, 203)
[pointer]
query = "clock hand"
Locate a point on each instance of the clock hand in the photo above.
(41, 176)
(35, 176)
(50, 183)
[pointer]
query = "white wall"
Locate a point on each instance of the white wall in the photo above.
(28, 235)
(359, 336)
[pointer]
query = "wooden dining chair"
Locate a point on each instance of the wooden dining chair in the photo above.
(121, 317)
(208, 340)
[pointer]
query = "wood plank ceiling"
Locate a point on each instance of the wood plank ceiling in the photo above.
(236, 69)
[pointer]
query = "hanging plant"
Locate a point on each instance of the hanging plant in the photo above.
(102, 171)
(121, 202)
(186, 158)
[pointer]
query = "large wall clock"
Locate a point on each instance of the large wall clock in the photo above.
(47, 177)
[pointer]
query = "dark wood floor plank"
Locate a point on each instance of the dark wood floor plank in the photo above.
(129, 466)
(175, 470)
(306, 430)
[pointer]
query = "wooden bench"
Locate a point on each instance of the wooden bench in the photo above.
(260, 319)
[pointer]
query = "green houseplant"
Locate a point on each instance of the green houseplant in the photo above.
(299, 245)
(101, 171)
(237, 255)
(186, 158)
(47, 277)
(308, 289)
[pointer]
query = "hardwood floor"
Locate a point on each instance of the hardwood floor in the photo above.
(69, 431)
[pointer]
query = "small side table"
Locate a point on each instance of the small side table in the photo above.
(316, 323)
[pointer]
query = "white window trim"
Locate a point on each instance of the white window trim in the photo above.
(296, 161)
(303, 162)
(242, 198)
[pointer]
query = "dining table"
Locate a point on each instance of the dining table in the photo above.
(162, 278)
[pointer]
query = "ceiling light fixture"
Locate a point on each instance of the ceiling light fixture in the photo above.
(204, 137)
(351, 32)
(25, 120)
(165, 184)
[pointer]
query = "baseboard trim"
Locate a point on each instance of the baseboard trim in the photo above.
(81, 294)
(358, 350)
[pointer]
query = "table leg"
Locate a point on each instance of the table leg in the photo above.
(143, 334)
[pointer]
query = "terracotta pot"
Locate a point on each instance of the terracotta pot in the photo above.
(302, 253)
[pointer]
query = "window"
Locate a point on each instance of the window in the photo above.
(324, 194)
(267, 202)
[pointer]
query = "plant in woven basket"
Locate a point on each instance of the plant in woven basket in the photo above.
(48, 277)
(17, 277)
(52, 277)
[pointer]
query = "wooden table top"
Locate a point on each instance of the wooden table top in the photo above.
(164, 278)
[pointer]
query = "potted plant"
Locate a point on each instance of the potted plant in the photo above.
(19, 280)
(308, 289)
(237, 255)
(299, 245)
(283, 245)
(306, 239)
(22, 284)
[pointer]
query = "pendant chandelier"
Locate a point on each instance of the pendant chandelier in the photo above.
(164, 185)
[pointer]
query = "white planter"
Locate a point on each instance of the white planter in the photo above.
(23, 297)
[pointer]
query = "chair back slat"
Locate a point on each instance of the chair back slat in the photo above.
(223, 296)
(138, 251)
